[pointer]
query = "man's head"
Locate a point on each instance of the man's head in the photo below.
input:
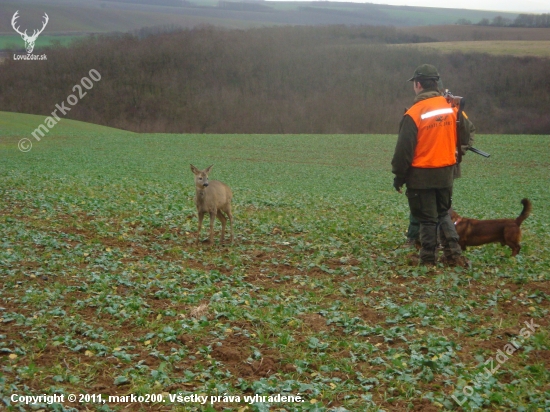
(425, 77)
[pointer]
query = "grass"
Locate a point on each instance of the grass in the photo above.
(103, 290)
(455, 33)
(15, 42)
(518, 48)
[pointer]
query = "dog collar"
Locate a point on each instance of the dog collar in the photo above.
(458, 220)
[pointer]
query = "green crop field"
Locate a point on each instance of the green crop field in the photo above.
(15, 42)
(458, 33)
(103, 291)
(518, 48)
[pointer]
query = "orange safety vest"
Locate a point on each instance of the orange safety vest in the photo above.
(435, 120)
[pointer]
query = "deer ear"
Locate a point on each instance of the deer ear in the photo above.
(207, 170)
(195, 170)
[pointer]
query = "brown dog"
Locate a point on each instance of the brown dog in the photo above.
(474, 232)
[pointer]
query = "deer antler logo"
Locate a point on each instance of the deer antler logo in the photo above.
(29, 40)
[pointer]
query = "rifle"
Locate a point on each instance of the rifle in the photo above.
(479, 152)
(460, 102)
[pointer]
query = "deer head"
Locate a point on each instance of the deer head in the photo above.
(29, 40)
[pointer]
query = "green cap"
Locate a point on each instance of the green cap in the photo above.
(425, 71)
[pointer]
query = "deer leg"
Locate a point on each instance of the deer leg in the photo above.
(201, 216)
(230, 215)
(224, 221)
(212, 220)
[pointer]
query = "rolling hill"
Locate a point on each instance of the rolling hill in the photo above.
(107, 16)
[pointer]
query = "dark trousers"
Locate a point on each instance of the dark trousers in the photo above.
(431, 207)
(413, 232)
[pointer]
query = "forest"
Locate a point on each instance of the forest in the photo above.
(292, 79)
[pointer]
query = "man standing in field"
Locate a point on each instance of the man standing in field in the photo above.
(466, 134)
(425, 160)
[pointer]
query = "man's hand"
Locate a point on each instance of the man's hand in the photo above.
(398, 182)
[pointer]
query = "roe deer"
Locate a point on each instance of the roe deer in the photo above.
(212, 197)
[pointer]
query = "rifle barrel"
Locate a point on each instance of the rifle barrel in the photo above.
(479, 152)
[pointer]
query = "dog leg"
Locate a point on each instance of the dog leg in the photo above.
(512, 238)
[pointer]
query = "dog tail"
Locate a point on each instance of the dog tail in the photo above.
(525, 212)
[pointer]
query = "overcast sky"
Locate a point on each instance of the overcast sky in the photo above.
(519, 6)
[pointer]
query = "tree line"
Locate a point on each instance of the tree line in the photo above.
(522, 20)
(332, 79)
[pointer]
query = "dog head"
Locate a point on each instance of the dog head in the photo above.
(455, 217)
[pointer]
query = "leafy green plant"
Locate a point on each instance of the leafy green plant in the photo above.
(102, 286)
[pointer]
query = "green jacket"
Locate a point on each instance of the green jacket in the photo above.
(466, 132)
(420, 178)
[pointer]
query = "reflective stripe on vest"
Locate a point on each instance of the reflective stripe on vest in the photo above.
(436, 138)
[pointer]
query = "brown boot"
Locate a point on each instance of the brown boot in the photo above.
(411, 244)
(459, 261)
(413, 259)
(427, 263)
